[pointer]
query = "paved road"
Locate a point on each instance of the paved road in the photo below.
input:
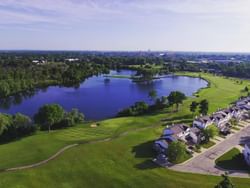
(204, 163)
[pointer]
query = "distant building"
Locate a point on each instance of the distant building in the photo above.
(71, 59)
(39, 62)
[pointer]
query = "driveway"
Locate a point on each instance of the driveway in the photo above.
(204, 163)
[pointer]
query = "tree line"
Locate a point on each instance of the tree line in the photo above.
(21, 78)
(49, 117)
(175, 98)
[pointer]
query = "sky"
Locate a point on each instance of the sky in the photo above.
(126, 25)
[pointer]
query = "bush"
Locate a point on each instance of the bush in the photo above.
(139, 108)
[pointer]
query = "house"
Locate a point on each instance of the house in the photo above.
(169, 135)
(203, 122)
(179, 131)
(160, 146)
(229, 112)
(245, 108)
(237, 112)
(196, 135)
(243, 101)
(221, 118)
(246, 153)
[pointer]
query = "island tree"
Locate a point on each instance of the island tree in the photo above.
(152, 95)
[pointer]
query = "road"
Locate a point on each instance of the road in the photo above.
(204, 163)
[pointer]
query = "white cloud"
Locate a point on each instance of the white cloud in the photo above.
(77, 11)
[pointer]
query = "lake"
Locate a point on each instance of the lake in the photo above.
(99, 99)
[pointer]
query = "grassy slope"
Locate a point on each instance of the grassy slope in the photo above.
(123, 162)
(232, 160)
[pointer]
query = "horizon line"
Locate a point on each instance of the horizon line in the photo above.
(125, 51)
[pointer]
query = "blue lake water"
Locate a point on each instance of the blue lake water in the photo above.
(98, 99)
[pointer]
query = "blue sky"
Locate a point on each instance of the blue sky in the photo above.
(177, 25)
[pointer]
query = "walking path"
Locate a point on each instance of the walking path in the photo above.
(204, 163)
(61, 151)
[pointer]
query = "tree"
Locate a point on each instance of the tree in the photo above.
(23, 124)
(152, 94)
(176, 152)
(246, 89)
(225, 183)
(176, 97)
(139, 108)
(5, 122)
(72, 118)
(204, 107)
(193, 106)
(160, 103)
(211, 132)
(48, 115)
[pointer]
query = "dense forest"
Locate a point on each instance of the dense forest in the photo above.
(23, 75)
(22, 72)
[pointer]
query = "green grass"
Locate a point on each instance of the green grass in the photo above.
(42, 145)
(122, 162)
(208, 144)
(232, 160)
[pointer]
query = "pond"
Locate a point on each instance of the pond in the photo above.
(99, 98)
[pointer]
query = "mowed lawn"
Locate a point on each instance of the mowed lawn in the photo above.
(232, 160)
(121, 162)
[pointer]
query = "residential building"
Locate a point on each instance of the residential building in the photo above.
(237, 113)
(160, 146)
(243, 101)
(203, 122)
(180, 131)
(196, 135)
(221, 118)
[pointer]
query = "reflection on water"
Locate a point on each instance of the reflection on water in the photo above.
(99, 97)
(6, 103)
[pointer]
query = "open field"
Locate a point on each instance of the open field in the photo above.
(121, 162)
